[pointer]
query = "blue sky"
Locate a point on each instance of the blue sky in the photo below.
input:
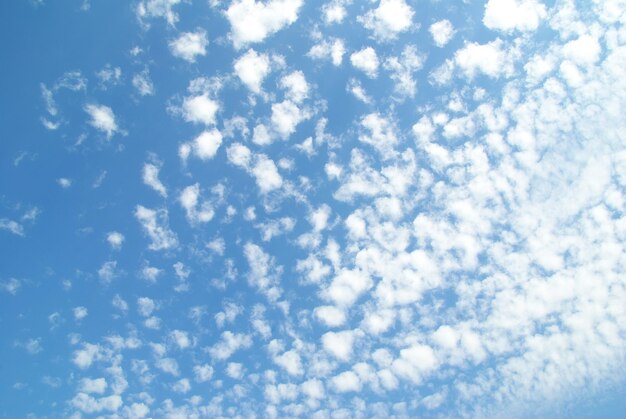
(287, 208)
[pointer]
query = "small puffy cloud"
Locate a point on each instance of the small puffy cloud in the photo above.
(442, 32)
(145, 306)
(252, 68)
(115, 239)
(181, 386)
(88, 404)
(143, 84)
(206, 144)
(354, 86)
(488, 59)
(190, 45)
(180, 338)
(379, 132)
(80, 313)
(510, 15)
(102, 118)
(229, 343)
(168, 365)
(263, 275)
(90, 386)
(334, 51)
(313, 389)
(253, 21)
(345, 382)
(295, 86)
(203, 373)
(155, 225)
(64, 182)
(83, 358)
(150, 9)
(339, 344)
(195, 211)
(150, 175)
(290, 361)
(150, 273)
(235, 370)
(12, 285)
(266, 174)
(347, 286)
(334, 11)
(366, 60)
(239, 155)
(402, 69)
(583, 51)
(109, 76)
(200, 109)
(286, 116)
(390, 18)
(107, 271)
(331, 316)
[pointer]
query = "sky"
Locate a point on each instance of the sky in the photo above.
(324, 209)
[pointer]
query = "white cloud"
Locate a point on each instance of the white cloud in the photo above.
(200, 109)
(366, 60)
(331, 316)
(11, 285)
(182, 386)
(295, 86)
(88, 404)
(326, 49)
(143, 84)
(195, 211)
(145, 306)
(339, 344)
(168, 365)
(252, 68)
(379, 132)
(345, 382)
(252, 21)
(334, 11)
(263, 275)
(354, 86)
(107, 271)
(390, 18)
(229, 343)
(89, 386)
(402, 69)
(442, 32)
(149, 9)
(150, 175)
(239, 155)
(203, 373)
(286, 116)
(347, 286)
(510, 15)
(155, 225)
(190, 45)
(83, 358)
(64, 182)
(583, 51)
(80, 313)
(488, 59)
(115, 239)
(291, 362)
(266, 174)
(102, 118)
(235, 370)
(180, 338)
(206, 144)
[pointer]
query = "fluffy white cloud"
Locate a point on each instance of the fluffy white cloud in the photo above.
(115, 239)
(345, 382)
(333, 50)
(366, 60)
(149, 9)
(150, 175)
(206, 144)
(80, 313)
(286, 116)
(510, 15)
(195, 211)
(339, 344)
(266, 174)
(331, 316)
(200, 109)
(102, 118)
(190, 45)
(253, 21)
(252, 68)
(442, 32)
(143, 84)
(89, 386)
(88, 404)
(203, 373)
(145, 306)
(390, 18)
(155, 225)
(295, 86)
(230, 343)
(488, 59)
(291, 362)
